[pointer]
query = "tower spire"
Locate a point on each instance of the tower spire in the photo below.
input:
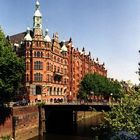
(37, 5)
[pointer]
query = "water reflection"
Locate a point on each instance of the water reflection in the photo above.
(83, 129)
(60, 137)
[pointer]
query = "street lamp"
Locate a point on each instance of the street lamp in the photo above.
(110, 98)
(91, 94)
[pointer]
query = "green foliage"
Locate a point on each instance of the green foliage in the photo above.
(11, 70)
(6, 137)
(40, 103)
(100, 85)
(125, 116)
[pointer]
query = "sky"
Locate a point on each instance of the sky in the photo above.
(109, 29)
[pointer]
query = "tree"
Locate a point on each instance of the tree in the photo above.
(100, 85)
(11, 70)
(125, 117)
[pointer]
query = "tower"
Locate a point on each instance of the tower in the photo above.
(37, 23)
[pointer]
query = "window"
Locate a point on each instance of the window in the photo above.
(27, 77)
(58, 59)
(48, 66)
(54, 68)
(50, 78)
(65, 62)
(27, 65)
(47, 77)
(50, 90)
(38, 65)
(61, 70)
(38, 77)
(65, 80)
(27, 54)
(57, 91)
(37, 43)
(48, 55)
(41, 54)
(54, 58)
(35, 54)
(38, 89)
(54, 90)
(65, 71)
(51, 67)
(61, 60)
(58, 70)
(38, 54)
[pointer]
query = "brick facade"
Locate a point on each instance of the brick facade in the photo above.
(54, 68)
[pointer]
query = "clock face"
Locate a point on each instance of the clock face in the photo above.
(38, 20)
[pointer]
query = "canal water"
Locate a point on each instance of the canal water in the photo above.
(83, 129)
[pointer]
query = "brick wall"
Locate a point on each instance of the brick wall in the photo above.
(6, 128)
(5, 121)
(26, 122)
(21, 124)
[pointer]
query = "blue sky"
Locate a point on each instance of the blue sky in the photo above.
(110, 29)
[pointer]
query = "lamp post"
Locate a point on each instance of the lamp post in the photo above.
(91, 94)
(110, 98)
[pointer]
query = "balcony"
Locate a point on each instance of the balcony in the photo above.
(57, 76)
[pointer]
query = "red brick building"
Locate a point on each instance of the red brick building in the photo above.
(54, 68)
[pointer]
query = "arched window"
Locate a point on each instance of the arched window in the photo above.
(38, 54)
(38, 77)
(38, 65)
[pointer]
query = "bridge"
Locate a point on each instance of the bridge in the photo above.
(62, 117)
(76, 106)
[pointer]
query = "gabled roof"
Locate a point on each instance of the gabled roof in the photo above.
(17, 38)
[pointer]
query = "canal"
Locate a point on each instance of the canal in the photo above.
(83, 131)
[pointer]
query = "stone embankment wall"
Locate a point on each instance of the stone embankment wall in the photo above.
(22, 124)
(82, 115)
(6, 127)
